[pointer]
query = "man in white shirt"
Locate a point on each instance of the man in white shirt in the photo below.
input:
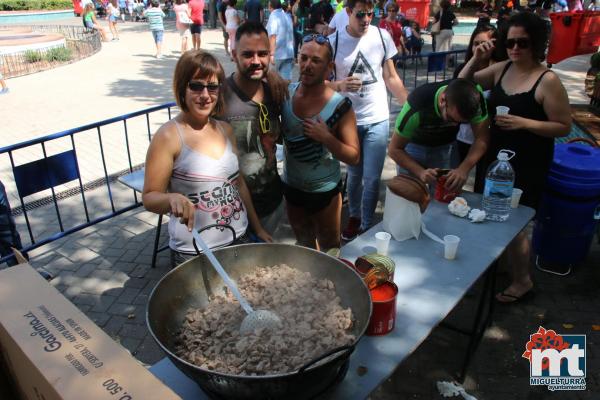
(363, 69)
(338, 22)
(281, 39)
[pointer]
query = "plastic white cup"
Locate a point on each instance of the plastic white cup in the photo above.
(450, 246)
(516, 198)
(382, 242)
(502, 110)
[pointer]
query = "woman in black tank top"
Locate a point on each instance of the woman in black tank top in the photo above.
(539, 112)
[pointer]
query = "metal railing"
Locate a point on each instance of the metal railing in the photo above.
(418, 69)
(81, 42)
(112, 161)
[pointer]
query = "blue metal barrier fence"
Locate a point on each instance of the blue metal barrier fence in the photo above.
(52, 170)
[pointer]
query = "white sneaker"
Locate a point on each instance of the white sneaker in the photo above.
(159, 56)
(4, 91)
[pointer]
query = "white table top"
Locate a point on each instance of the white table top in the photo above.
(134, 180)
(429, 288)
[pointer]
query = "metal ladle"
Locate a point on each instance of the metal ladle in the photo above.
(254, 319)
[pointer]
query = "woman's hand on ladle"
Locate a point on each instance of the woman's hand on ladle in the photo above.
(182, 208)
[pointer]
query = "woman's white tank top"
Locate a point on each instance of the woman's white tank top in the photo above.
(211, 185)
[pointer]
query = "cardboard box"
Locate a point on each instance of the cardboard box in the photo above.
(53, 351)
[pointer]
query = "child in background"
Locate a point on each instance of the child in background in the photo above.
(90, 21)
(113, 16)
(417, 41)
(232, 21)
(4, 89)
(155, 16)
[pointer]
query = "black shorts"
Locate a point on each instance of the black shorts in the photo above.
(225, 33)
(196, 28)
(312, 202)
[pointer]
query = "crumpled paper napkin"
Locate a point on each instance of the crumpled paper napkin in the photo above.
(451, 389)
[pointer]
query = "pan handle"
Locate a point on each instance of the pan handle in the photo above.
(215, 226)
(348, 348)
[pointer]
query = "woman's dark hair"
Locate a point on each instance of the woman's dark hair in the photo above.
(535, 27)
(499, 53)
(275, 4)
(200, 65)
(232, 3)
(445, 4)
(304, 4)
(392, 7)
(178, 2)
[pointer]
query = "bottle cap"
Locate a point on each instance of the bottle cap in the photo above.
(505, 155)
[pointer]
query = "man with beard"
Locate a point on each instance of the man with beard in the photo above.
(319, 131)
(362, 56)
(253, 112)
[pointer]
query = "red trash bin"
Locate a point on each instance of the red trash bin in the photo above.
(589, 33)
(415, 10)
(563, 40)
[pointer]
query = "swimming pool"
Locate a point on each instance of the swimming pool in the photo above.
(26, 18)
(465, 28)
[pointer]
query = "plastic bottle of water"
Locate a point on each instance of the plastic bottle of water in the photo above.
(499, 182)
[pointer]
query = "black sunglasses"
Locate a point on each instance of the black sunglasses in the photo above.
(198, 87)
(522, 43)
(362, 14)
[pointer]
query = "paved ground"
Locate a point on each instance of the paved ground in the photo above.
(105, 269)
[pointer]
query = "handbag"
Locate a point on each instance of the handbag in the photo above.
(436, 26)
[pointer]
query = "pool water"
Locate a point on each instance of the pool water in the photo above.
(465, 28)
(26, 18)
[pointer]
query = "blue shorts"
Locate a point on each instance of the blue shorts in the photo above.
(196, 28)
(112, 18)
(158, 36)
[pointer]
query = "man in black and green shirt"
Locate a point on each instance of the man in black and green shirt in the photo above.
(427, 125)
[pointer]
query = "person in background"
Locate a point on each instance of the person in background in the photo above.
(503, 16)
(221, 8)
(338, 22)
(319, 131)
(391, 24)
(122, 9)
(253, 110)
(363, 71)
(281, 37)
(482, 33)
(299, 15)
(192, 169)
(484, 13)
(253, 11)
(182, 23)
(113, 17)
(90, 21)
(197, 17)
(443, 41)
(155, 16)
(539, 112)
(5, 88)
(320, 14)
(232, 21)
(130, 4)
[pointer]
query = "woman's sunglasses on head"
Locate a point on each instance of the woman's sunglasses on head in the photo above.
(522, 43)
(198, 87)
(317, 37)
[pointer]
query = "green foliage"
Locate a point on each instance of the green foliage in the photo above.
(24, 5)
(32, 56)
(58, 54)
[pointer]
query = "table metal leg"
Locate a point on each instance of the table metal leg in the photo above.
(482, 319)
(156, 241)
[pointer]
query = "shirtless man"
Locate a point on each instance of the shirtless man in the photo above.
(319, 131)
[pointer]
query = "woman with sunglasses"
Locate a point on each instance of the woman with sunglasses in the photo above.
(539, 112)
(192, 169)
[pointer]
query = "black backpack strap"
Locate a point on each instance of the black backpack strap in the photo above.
(342, 108)
(383, 44)
(334, 55)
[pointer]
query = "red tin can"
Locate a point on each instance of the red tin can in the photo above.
(383, 317)
(441, 193)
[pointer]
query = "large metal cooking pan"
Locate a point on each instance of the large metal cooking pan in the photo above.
(191, 284)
